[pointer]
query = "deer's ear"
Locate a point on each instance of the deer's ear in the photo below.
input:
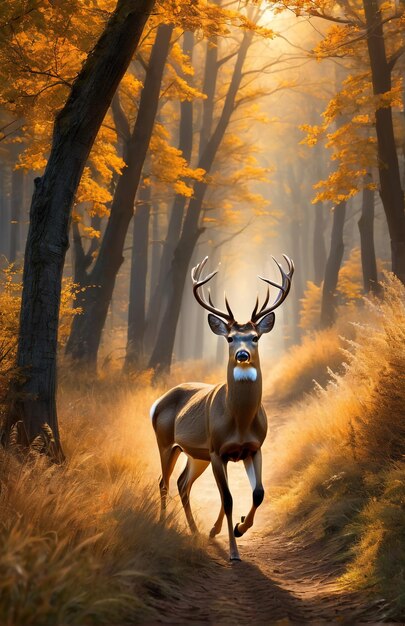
(266, 323)
(217, 325)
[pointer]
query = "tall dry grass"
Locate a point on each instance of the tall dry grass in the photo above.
(81, 543)
(316, 360)
(340, 458)
(306, 365)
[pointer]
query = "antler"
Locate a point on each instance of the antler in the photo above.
(284, 288)
(198, 283)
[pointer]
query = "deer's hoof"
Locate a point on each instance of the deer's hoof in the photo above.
(235, 559)
(237, 532)
(213, 533)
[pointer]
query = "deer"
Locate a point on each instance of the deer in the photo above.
(215, 424)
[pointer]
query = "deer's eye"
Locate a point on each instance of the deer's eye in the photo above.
(255, 339)
(229, 339)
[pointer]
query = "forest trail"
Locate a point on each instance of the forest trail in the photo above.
(278, 581)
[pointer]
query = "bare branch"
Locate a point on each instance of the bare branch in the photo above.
(227, 58)
(394, 57)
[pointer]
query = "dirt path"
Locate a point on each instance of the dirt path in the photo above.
(277, 582)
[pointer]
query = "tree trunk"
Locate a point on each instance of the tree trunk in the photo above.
(75, 130)
(86, 334)
(155, 249)
(4, 213)
(17, 187)
(162, 354)
(210, 83)
(209, 89)
(328, 306)
(81, 261)
(137, 285)
(319, 248)
(390, 180)
(159, 294)
(298, 288)
(296, 235)
(199, 327)
(366, 229)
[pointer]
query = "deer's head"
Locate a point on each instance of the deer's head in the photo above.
(243, 339)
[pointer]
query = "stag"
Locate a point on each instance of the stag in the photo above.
(225, 422)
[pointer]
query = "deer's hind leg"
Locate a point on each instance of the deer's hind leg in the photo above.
(194, 468)
(168, 458)
(216, 529)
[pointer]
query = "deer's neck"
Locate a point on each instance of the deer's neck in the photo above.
(244, 393)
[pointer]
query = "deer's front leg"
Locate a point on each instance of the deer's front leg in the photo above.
(219, 470)
(253, 467)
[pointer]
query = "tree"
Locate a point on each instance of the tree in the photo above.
(137, 282)
(75, 130)
(86, 333)
(180, 201)
(87, 329)
(328, 306)
(392, 194)
(366, 229)
(364, 34)
(162, 354)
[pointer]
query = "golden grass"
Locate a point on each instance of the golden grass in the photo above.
(305, 365)
(81, 544)
(339, 459)
(314, 361)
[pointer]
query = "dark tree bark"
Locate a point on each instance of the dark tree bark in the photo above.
(75, 130)
(319, 248)
(366, 229)
(162, 354)
(81, 259)
(392, 195)
(87, 328)
(328, 306)
(16, 206)
(4, 214)
(159, 294)
(137, 285)
(156, 247)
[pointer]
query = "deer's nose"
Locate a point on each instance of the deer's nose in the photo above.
(242, 356)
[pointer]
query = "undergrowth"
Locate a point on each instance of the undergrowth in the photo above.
(312, 360)
(81, 543)
(340, 458)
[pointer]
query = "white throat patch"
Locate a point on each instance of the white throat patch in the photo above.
(244, 373)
